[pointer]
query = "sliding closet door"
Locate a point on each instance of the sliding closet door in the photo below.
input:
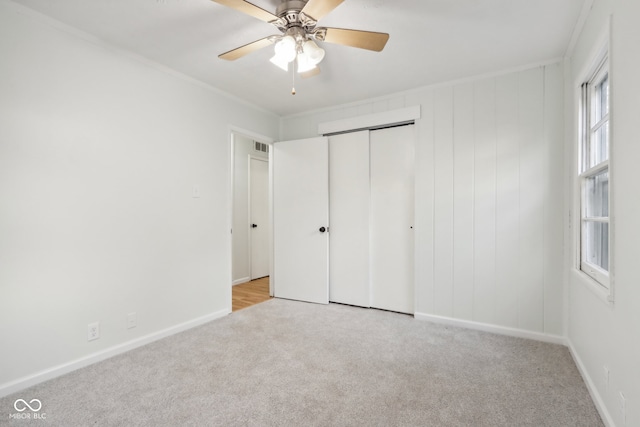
(391, 227)
(349, 213)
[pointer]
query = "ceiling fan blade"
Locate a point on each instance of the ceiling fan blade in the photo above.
(362, 39)
(249, 9)
(234, 54)
(317, 9)
(312, 72)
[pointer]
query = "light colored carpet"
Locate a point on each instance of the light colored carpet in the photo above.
(286, 363)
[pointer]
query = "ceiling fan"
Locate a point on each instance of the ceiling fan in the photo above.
(297, 20)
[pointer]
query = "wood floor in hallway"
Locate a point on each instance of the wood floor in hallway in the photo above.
(250, 293)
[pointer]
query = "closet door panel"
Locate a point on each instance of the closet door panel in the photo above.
(391, 216)
(349, 214)
(300, 218)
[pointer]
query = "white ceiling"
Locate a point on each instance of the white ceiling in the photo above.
(432, 41)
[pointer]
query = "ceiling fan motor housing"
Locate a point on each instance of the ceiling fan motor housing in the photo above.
(289, 15)
(290, 5)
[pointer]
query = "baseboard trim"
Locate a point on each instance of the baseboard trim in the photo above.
(56, 371)
(593, 391)
(241, 281)
(486, 327)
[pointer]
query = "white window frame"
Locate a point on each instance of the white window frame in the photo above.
(586, 171)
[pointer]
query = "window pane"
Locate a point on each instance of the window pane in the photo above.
(603, 88)
(601, 99)
(599, 146)
(596, 105)
(596, 239)
(597, 195)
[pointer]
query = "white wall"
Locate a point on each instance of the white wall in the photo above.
(600, 333)
(243, 148)
(489, 163)
(99, 153)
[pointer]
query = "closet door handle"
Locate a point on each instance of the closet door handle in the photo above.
(323, 229)
(254, 225)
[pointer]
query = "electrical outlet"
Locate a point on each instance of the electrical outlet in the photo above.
(93, 330)
(132, 321)
(623, 408)
(606, 378)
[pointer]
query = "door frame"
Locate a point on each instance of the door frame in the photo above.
(249, 207)
(232, 131)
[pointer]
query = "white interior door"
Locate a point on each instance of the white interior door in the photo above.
(349, 214)
(259, 216)
(392, 195)
(301, 220)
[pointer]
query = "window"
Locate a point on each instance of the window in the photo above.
(594, 176)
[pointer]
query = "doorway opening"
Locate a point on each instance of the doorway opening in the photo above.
(250, 219)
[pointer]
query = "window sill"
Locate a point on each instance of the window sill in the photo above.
(583, 279)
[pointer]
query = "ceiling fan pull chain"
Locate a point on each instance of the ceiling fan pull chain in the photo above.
(293, 79)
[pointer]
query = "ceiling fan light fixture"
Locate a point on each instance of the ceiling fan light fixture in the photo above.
(285, 49)
(313, 51)
(305, 63)
(275, 60)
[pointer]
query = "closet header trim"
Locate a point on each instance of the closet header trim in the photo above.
(382, 120)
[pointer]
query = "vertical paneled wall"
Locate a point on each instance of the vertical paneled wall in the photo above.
(489, 202)
(489, 196)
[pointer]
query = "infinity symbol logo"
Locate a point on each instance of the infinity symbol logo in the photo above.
(24, 405)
